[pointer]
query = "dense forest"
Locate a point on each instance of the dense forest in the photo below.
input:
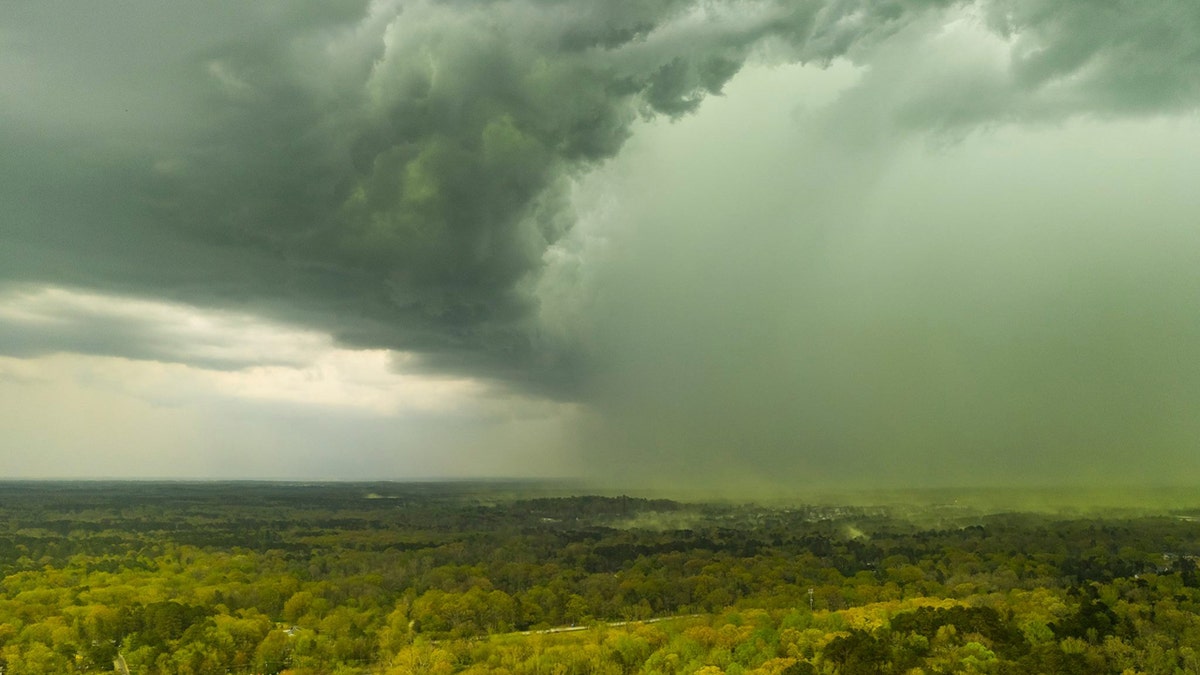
(213, 578)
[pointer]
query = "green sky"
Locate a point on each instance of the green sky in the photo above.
(755, 244)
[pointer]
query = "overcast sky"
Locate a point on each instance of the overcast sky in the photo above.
(737, 244)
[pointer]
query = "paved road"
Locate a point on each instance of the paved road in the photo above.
(568, 629)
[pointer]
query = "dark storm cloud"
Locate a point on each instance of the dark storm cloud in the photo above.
(394, 172)
(1063, 59)
(1124, 56)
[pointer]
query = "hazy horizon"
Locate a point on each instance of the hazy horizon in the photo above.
(1063, 499)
